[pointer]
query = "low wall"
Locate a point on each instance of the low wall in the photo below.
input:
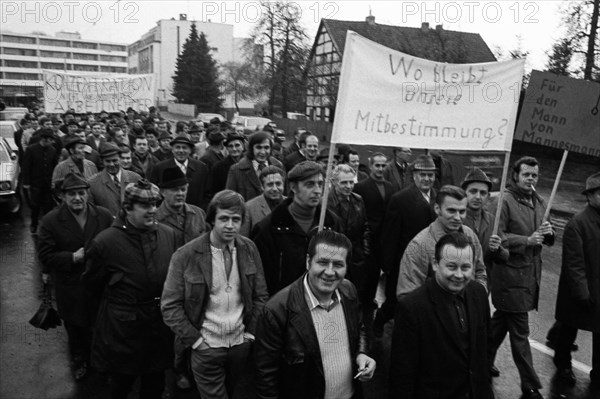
(182, 109)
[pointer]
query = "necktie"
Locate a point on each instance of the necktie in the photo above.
(117, 183)
(182, 167)
(261, 166)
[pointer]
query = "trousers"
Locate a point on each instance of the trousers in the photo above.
(517, 326)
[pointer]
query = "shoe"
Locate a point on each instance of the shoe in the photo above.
(182, 382)
(531, 394)
(565, 376)
(494, 372)
(80, 372)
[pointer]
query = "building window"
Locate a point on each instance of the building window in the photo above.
(89, 57)
(54, 65)
(85, 68)
(19, 51)
(111, 47)
(113, 69)
(21, 76)
(18, 39)
(54, 43)
(20, 64)
(54, 54)
(91, 46)
(113, 58)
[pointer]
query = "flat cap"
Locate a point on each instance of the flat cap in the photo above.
(476, 175)
(109, 149)
(304, 170)
(73, 181)
(163, 135)
(73, 140)
(215, 135)
(142, 192)
(592, 183)
(46, 133)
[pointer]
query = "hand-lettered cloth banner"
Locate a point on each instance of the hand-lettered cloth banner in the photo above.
(390, 98)
(561, 112)
(95, 93)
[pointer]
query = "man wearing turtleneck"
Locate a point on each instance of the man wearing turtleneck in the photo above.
(516, 281)
(282, 237)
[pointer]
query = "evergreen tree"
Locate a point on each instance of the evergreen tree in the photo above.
(560, 58)
(196, 75)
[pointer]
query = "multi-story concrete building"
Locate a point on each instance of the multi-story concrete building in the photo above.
(157, 51)
(23, 57)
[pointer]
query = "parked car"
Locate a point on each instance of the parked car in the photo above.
(13, 113)
(7, 131)
(9, 178)
(250, 123)
(207, 117)
(278, 134)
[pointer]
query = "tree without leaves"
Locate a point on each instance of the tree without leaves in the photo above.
(581, 19)
(286, 50)
(243, 81)
(196, 75)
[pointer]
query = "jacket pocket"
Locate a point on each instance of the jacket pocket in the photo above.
(195, 286)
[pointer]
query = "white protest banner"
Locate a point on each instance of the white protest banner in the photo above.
(390, 98)
(561, 112)
(95, 93)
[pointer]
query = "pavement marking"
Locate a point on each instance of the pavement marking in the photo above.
(544, 349)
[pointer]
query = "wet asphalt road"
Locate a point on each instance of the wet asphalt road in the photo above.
(35, 363)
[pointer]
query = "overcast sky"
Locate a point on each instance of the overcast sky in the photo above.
(498, 22)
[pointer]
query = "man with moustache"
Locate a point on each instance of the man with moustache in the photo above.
(272, 180)
(199, 189)
(310, 341)
(106, 187)
(75, 163)
(409, 211)
(309, 151)
(516, 281)
(213, 295)
(163, 152)
(282, 237)
(126, 266)
(64, 233)
(415, 266)
(439, 345)
(234, 142)
(243, 176)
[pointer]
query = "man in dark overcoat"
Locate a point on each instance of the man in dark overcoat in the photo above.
(40, 160)
(64, 234)
(409, 211)
(578, 299)
(126, 266)
(439, 345)
(199, 191)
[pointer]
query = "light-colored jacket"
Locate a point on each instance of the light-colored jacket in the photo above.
(68, 166)
(256, 210)
(417, 262)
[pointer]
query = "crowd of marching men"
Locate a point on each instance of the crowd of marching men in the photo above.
(199, 250)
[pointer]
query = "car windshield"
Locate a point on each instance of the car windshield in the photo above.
(7, 131)
(4, 155)
(11, 115)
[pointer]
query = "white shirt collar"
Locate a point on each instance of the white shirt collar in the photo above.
(314, 302)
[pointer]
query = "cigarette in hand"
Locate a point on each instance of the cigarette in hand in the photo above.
(360, 372)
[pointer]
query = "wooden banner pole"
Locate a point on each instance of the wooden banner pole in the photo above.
(501, 196)
(326, 186)
(555, 187)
